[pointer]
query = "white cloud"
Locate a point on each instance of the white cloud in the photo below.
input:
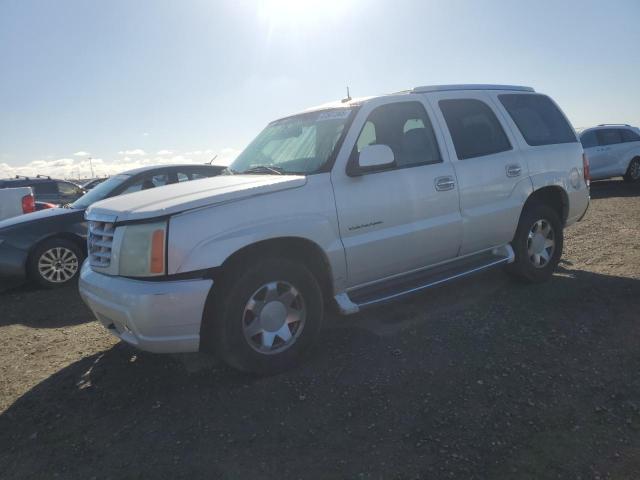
(164, 152)
(75, 168)
(136, 151)
(82, 153)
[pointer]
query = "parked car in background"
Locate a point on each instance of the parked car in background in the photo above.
(613, 150)
(93, 183)
(16, 201)
(354, 203)
(48, 246)
(47, 189)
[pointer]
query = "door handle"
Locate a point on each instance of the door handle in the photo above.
(514, 170)
(445, 183)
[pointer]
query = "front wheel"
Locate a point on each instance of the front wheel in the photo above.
(55, 263)
(537, 244)
(633, 172)
(267, 317)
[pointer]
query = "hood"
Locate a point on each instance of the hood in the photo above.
(171, 199)
(36, 216)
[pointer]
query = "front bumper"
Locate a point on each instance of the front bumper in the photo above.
(13, 262)
(156, 316)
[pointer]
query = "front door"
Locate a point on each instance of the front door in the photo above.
(404, 217)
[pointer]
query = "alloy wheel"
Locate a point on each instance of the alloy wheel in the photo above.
(274, 317)
(541, 243)
(58, 265)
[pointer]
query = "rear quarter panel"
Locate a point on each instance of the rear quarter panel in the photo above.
(558, 165)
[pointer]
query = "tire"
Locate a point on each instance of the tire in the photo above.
(633, 171)
(536, 259)
(55, 263)
(251, 315)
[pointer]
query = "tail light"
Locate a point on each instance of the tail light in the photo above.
(585, 169)
(28, 204)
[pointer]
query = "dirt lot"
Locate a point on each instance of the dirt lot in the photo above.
(484, 378)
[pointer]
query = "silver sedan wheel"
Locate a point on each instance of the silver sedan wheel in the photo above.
(58, 265)
(274, 317)
(634, 170)
(541, 243)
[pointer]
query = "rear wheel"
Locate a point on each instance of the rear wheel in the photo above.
(633, 172)
(266, 317)
(537, 244)
(55, 263)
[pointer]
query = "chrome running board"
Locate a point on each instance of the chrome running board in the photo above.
(397, 287)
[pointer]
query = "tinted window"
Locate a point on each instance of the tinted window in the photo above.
(539, 120)
(45, 188)
(629, 136)
(68, 189)
(609, 136)
(387, 125)
(183, 177)
(589, 139)
(146, 182)
(474, 128)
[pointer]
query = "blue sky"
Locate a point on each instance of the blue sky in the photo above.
(125, 80)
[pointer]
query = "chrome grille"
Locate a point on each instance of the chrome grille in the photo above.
(99, 241)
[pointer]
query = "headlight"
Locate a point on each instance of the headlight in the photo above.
(143, 250)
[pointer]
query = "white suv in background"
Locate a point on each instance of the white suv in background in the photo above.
(349, 204)
(612, 150)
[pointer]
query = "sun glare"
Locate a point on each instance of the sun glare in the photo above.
(293, 12)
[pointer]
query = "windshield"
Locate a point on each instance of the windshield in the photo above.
(100, 191)
(300, 144)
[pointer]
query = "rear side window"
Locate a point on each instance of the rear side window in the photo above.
(589, 139)
(609, 136)
(475, 129)
(539, 120)
(45, 188)
(629, 136)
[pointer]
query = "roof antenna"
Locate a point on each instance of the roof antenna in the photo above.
(211, 161)
(348, 97)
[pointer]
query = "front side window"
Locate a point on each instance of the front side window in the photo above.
(629, 136)
(406, 129)
(100, 191)
(68, 189)
(475, 129)
(609, 136)
(539, 120)
(300, 144)
(589, 139)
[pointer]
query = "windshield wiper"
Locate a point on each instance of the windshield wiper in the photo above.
(265, 169)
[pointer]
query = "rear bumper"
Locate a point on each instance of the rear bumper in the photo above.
(13, 262)
(159, 316)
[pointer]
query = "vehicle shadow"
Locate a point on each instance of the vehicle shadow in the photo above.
(614, 188)
(35, 307)
(518, 380)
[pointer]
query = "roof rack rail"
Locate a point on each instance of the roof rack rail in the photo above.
(471, 86)
(614, 124)
(22, 176)
(43, 176)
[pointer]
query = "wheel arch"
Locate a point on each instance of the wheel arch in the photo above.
(78, 240)
(554, 196)
(301, 249)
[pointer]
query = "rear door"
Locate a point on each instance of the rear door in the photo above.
(602, 164)
(491, 173)
(405, 217)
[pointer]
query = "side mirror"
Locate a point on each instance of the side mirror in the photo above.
(375, 157)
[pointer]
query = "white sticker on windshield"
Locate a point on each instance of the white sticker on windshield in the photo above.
(337, 114)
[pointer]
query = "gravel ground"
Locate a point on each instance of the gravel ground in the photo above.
(484, 378)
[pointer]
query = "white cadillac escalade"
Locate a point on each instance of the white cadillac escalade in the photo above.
(348, 204)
